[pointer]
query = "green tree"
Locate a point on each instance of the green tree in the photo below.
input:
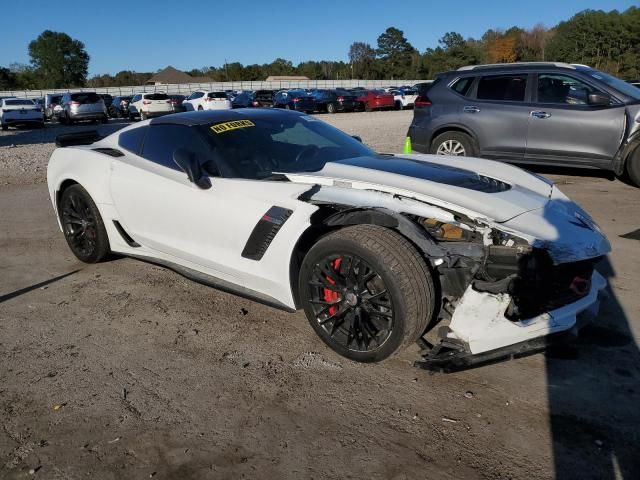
(59, 60)
(395, 52)
(8, 79)
(362, 57)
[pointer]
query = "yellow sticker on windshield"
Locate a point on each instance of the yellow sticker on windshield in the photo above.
(234, 125)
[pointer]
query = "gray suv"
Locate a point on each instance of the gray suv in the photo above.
(533, 113)
(82, 106)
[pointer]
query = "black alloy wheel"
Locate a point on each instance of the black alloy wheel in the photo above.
(82, 225)
(351, 302)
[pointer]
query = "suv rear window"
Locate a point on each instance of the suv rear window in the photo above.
(156, 96)
(509, 88)
(462, 85)
(217, 95)
(16, 103)
(89, 97)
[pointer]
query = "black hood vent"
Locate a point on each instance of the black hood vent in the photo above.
(434, 172)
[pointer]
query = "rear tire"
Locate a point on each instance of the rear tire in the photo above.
(200, 108)
(82, 225)
(143, 116)
(381, 292)
(331, 107)
(367, 108)
(398, 105)
(633, 167)
(454, 143)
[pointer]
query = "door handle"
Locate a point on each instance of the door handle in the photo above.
(470, 109)
(539, 114)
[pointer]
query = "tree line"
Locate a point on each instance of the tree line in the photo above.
(608, 41)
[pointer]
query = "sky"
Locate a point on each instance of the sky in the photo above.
(146, 36)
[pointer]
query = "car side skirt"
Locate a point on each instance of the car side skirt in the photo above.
(214, 282)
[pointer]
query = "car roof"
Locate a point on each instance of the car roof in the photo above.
(204, 117)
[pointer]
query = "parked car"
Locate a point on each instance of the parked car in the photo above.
(245, 100)
(108, 99)
(332, 101)
(51, 101)
(375, 100)
(298, 100)
(264, 98)
(149, 105)
(39, 101)
(534, 113)
(80, 106)
(206, 100)
(20, 111)
(120, 106)
(176, 101)
(404, 98)
(485, 258)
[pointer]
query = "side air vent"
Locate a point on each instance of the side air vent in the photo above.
(264, 232)
(112, 152)
(125, 236)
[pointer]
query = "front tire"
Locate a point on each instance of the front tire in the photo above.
(366, 292)
(633, 167)
(82, 225)
(453, 143)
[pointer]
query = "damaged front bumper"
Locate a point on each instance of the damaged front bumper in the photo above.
(480, 332)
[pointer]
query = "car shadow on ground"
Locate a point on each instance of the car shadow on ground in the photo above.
(594, 397)
(17, 136)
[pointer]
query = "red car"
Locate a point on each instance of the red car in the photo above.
(376, 100)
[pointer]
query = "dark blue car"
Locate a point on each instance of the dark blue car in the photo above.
(298, 100)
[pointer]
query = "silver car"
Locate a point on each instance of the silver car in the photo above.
(51, 101)
(82, 106)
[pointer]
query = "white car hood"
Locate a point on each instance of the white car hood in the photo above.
(484, 188)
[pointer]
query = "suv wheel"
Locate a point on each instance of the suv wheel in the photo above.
(453, 143)
(331, 107)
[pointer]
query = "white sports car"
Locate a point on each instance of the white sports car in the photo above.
(474, 259)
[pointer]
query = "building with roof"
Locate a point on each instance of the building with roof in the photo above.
(172, 75)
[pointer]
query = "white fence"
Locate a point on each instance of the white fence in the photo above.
(186, 88)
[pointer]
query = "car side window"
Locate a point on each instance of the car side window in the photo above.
(462, 85)
(563, 89)
(510, 88)
(197, 95)
(131, 140)
(162, 140)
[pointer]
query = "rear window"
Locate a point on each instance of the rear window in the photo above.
(217, 95)
(462, 85)
(156, 96)
(132, 139)
(509, 88)
(86, 97)
(25, 103)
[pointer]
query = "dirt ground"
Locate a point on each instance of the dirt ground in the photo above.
(124, 370)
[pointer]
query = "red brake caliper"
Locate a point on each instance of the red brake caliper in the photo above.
(329, 295)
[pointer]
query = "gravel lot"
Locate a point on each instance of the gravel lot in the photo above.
(125, 370)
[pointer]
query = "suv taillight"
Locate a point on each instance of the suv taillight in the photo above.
(296, 100)
(146, 102)
(341, 99)
(73, 102)
(422, 101)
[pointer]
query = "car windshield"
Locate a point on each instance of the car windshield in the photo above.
(620, 85)
(24, 103)
(261, 147)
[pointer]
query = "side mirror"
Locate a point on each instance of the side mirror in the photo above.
(187, 161)
(357, 137)
(599, 99)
